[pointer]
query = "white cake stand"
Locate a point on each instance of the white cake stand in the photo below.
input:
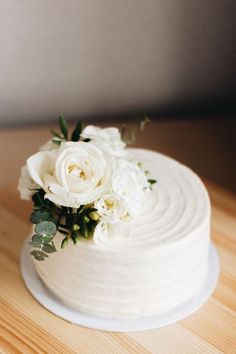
(51, 303)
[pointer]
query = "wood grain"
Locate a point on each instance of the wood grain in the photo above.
(26, 327)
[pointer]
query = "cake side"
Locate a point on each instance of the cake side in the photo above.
(152, 263)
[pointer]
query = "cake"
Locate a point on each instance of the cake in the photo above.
(143, 265)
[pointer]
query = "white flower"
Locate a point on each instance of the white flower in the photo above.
(111, 207)
(130, 184)
(108, 139)
(26, 184)
(79, 173)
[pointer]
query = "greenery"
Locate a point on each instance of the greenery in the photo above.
(58, 138)
(152, 181)
(49, 218)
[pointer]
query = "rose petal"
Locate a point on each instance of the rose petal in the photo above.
(39, 164)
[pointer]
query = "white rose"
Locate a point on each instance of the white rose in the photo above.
(130, 183)
(108, 139)
(111, 207)
(26, 184)
(79, 173)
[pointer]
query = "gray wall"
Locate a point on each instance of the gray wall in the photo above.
(90, 57)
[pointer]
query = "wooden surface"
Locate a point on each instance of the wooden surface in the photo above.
(26, 327)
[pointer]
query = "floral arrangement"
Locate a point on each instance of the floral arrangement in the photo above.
(80, 183)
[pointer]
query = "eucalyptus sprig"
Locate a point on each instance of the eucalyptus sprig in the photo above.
(50, 219)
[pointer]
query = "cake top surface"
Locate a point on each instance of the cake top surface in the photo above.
(175, 209)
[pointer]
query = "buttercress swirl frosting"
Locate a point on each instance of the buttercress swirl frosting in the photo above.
(143, 266)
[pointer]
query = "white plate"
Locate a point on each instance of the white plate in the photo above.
(51, 303)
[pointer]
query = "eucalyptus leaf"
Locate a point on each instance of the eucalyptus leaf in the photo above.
(37, 239)
(48, 248)
(52, 219)
(40, 253)
(42, 239)
(76, 132)
(37, 257)
(46, 228)
(63, 127)
(39, 215)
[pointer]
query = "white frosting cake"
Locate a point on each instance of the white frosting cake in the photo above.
(146, 266)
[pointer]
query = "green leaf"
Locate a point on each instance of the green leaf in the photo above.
(52, 219)
(80, 208)
(63, 127)
(58, 142)
(48, 203)
(56, 134)
(75, 238)
(64, 242)
(45, 239)
(64, 232)
(46, 228)
(83, 225)
(152, 181)
(37, 239)
(91, 227)
(39, 255)
(88, 210)
(38, 198)
(69, 220)
(49, 248)
(76, 132)
(39, 215)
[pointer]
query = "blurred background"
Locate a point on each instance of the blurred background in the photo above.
(106, 61)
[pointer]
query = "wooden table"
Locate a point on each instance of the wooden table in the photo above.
(26, 327)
